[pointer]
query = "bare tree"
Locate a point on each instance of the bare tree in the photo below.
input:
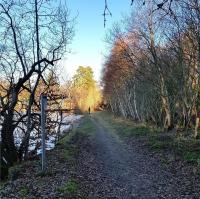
(163, 52)
(34, 35)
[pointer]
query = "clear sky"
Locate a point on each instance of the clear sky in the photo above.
(88, 46)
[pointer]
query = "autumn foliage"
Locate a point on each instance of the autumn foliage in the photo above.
(85, 91)
(152, 71)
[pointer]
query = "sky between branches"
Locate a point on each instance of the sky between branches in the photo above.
(88, 44)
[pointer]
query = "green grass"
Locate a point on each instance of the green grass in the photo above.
(68, 153)
(158, 145)
(192, 157)
(68, 144)
(124, 127)
(66, 139)
(15, 171)
(69, 147)
(23, 191)
(69, 188)
(187, 148)
(46, 173)
(87, 128)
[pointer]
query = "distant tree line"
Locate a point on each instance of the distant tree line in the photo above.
(152, 71)
(85, 91)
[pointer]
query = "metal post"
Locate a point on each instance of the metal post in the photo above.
(43, 104)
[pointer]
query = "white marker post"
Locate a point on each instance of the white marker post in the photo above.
(43, 104)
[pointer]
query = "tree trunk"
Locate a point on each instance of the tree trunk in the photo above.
(8, 149)
(135, 103)
(196, 127)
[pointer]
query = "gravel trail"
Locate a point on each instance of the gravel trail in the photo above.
(110, 168)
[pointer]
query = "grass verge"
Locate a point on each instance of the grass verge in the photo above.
(186, 148)
(69, 189)
(69, 147)
(68, 144)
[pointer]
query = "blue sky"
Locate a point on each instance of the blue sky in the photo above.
(88, 46)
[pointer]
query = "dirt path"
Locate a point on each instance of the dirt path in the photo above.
(93, 162)
(112, 169)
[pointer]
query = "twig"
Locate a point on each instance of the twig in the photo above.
(106, 12)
